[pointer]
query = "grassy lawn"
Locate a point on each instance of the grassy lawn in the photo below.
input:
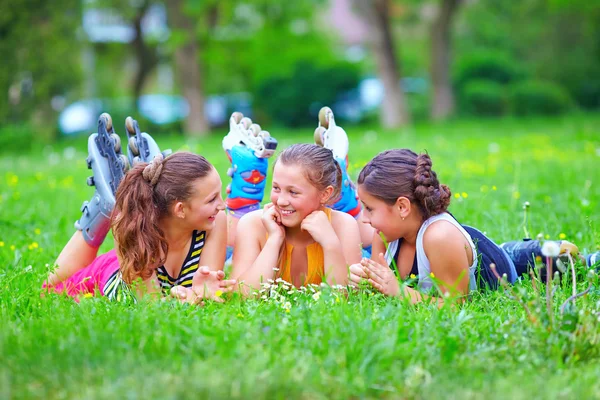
(319, 345)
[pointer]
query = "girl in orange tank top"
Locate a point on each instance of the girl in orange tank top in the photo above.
(296, 237)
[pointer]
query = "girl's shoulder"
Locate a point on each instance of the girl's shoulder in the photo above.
(442, 231)
(341, 219)
(252, 222)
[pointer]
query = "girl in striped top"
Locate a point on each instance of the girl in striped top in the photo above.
(170, 236)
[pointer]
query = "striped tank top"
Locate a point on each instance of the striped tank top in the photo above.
(116, 289)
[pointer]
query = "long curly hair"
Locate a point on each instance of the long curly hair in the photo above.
(142, 200)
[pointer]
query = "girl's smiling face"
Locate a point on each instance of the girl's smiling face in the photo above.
(205, 203)
(380, 215)
(293, 195)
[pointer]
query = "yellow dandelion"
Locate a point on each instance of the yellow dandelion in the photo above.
(240, 315)
(287, 310)
(494, 188)
(562, 236)
(431, 274)
(35, 245)
(457, 195)
(516, 195)
(12, 247)
(1, 244)
(538, 258)
(465, 195)
(218, 293)
(37, 231)
(547, 236)
(337, 299)
(413, 276)
(88, 295)
(13, 180)
(30, 247)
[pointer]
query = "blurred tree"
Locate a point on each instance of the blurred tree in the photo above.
(552, 40)
(442, 105)
(186, 18)
(377, 15)
(41, 63)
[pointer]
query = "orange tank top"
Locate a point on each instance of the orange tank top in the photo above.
(315, 260)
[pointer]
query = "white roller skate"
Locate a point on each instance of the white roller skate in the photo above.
(109, 166)
(334, 138)
(331, 136)
(243, 132)
(141, 147)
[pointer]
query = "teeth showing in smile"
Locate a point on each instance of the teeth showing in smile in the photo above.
(287, 212)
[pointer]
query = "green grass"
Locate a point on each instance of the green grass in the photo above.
(362, 346)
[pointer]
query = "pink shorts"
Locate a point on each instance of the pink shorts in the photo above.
(91, 278)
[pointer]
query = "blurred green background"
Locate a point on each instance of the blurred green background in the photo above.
(184, 66)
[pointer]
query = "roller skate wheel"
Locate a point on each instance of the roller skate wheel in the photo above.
(324, 114)
(116, 142)
(88, 161)
(133, 147)
(246, 122)
(237, 116)
(319, 133)
(124, 162)
(255, 129)
(107, 121)
(264, 134)
(136, 160)
(90, 181)
(129, 125)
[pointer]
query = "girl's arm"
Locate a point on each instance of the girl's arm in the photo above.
(215, 244)
(447, 250)
(344, 251)
(253, 262)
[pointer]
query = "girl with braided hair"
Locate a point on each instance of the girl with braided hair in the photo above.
(170, 236)
(406, 204)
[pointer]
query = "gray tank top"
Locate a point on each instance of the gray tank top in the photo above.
(423, 265)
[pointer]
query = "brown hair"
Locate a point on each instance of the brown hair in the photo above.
(319, 166)
(142, 199)
(402, 173)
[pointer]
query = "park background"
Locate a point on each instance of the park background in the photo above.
(504, 96)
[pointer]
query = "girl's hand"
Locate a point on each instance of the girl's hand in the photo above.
(206, 284)
(318, 226)
(271, 220)
(381, 277)
(357, 274)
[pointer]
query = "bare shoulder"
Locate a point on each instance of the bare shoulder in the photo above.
(341, 220)
(252, 224)
(441, 233)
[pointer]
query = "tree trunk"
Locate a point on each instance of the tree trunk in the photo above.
(376, 13)
(442, 105)
(146, 57)
(188, 69)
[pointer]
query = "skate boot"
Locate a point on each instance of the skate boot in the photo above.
(109, 166)
(524, 254)
(141, 147)
(248, 148)
(334, 138)
(593, 260)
